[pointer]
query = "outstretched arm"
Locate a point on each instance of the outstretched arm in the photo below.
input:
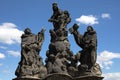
(77, 36)
(40, 38)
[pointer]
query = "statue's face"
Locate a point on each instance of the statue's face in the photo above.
(89, 29)
(55, 8)
(65, 12)
(27, 31)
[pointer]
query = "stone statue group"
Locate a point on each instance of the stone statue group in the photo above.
(60, 59)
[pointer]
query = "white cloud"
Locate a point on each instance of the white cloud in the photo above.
(105, 59)
(1, 64)
(2, 47)
(9, 33)
(2, 56)
(88, 20)
(14, 53)
(112, 76)
(105, 15)
(7, 71)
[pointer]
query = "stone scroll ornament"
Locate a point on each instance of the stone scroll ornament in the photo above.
(31, 65)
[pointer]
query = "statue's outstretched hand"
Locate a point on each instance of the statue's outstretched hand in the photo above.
(43, 30)
(74, 28)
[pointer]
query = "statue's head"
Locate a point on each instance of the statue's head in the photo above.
(90, 28)
(75, 26)
(66, 12)
(27, 31)
(55, 6)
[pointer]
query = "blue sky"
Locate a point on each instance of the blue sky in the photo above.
(103, 15)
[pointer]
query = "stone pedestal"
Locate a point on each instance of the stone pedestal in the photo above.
(62, 77)
(58, 77)
(89, 78)
(26, 79)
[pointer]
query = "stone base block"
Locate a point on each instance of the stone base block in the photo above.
(89, 78)
(26, 79)
(58, 77)
(63, 77)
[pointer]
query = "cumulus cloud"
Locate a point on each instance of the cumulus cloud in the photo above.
(9, 34)
(7, 72)
(1, 64)
(105, 15)
(14, 53)
(2, 47)
(112, 76)
(2, 56)
(87, 20)
(105, 58)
